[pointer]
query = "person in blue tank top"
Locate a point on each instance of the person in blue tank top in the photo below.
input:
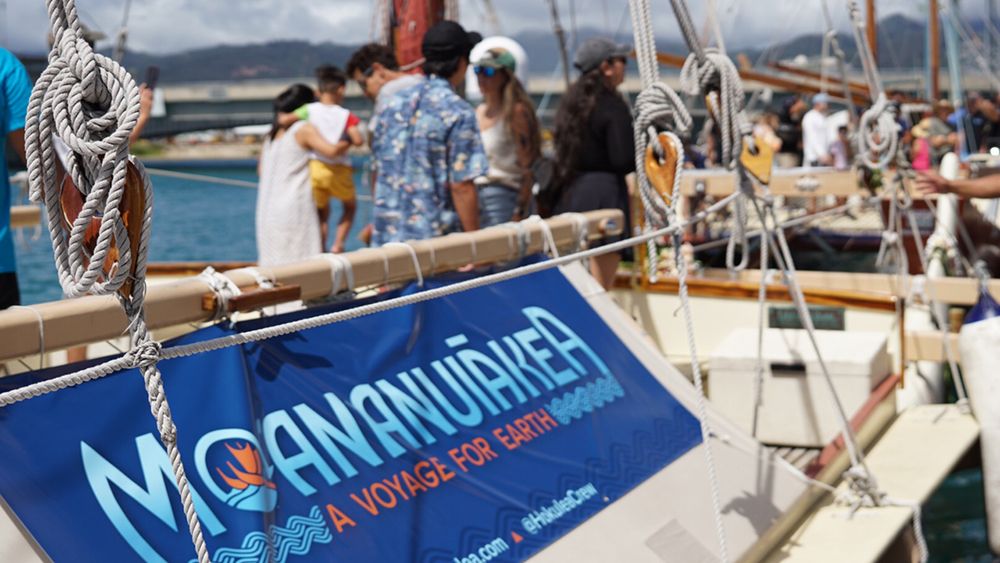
(15, 89)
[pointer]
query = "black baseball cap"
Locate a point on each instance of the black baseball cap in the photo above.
(446, 40)
(596, 50)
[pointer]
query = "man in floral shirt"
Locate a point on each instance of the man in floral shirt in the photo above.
(427, 147)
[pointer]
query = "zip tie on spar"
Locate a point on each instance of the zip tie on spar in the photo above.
(408, 246)
(340, 269)
(92, 104)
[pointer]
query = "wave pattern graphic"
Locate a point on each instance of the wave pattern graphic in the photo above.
(298, 537)
(585, 399)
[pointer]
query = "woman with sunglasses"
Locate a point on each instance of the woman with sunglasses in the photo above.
(594, 142)
(511, 138)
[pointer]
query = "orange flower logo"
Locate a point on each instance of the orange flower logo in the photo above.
(251, 471)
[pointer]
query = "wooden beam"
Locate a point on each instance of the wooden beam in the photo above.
(785, 182)
(928, 346)
(670, 59)
(954, 291)
(86, 320)
(25, 216)
(726, 289)
(858, 88)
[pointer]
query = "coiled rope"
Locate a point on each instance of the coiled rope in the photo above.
(92, 104)
(878, 132)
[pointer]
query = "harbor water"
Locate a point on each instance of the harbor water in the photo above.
(207, 221)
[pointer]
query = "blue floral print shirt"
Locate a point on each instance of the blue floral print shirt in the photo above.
(423, 139)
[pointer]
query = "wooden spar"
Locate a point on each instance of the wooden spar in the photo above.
(87, 320)
(872, 28)
(934, 51)
(954, 291)
(25, 216)
(670, 59)
(857, 88)
(786, 182)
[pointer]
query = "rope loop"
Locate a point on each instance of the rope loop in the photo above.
(223, 287)
(342, 275)
(878, 134)
(716, 76)
(408, 246)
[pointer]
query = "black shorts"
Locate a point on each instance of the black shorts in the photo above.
(9, 294)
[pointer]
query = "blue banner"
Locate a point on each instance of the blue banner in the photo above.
(477, 427)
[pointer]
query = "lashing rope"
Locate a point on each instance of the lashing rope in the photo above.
(92, 104)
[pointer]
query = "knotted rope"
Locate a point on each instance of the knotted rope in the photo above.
(92, 105)
(878, 133)
(659, 110)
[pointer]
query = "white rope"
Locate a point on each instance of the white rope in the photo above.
(263, 281)
(521, 237)
(92, 104)
(408, 246)
(862, 481)
(878, 132)
(117, 364)
(41, 332)
(706, 433)
(548, 241)
(341, 273)
(223, 287)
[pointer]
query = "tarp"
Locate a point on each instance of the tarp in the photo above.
(476, 427)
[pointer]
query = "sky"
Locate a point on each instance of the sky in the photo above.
(168, 26)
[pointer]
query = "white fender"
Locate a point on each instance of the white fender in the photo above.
(979, 346)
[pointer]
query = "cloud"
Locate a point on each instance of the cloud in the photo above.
(164, 26)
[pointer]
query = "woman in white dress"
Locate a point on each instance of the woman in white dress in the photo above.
(287, 223)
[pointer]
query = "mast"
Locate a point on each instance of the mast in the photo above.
(933, 51)
(119, 53)
(561, 39)
(409, 21)
(872, 28)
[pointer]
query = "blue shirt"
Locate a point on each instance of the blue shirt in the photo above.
(423, 139)
(15, 89)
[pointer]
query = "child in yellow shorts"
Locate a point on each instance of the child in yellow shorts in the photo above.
(332, 178)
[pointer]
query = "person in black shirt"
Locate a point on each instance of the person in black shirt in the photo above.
(595, 147)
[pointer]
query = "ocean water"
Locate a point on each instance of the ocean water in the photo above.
(192, 221)
(196, 221)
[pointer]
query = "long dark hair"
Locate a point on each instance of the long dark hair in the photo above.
(572, 119)
(296, 96)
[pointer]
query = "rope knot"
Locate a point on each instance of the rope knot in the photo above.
(864, 491)
(144, 354)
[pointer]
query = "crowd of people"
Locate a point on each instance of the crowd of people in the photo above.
(802, 133)
(438, 164)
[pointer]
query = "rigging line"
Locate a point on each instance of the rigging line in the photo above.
(119, 53)
(980, 59)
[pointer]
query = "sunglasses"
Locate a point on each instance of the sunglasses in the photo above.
(487, 71)
(363, 81)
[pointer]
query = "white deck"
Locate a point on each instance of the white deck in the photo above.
(910, 462)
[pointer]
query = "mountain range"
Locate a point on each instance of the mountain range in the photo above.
(901, 40)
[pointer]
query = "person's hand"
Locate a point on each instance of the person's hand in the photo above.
(932, 183)
(145, 100)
